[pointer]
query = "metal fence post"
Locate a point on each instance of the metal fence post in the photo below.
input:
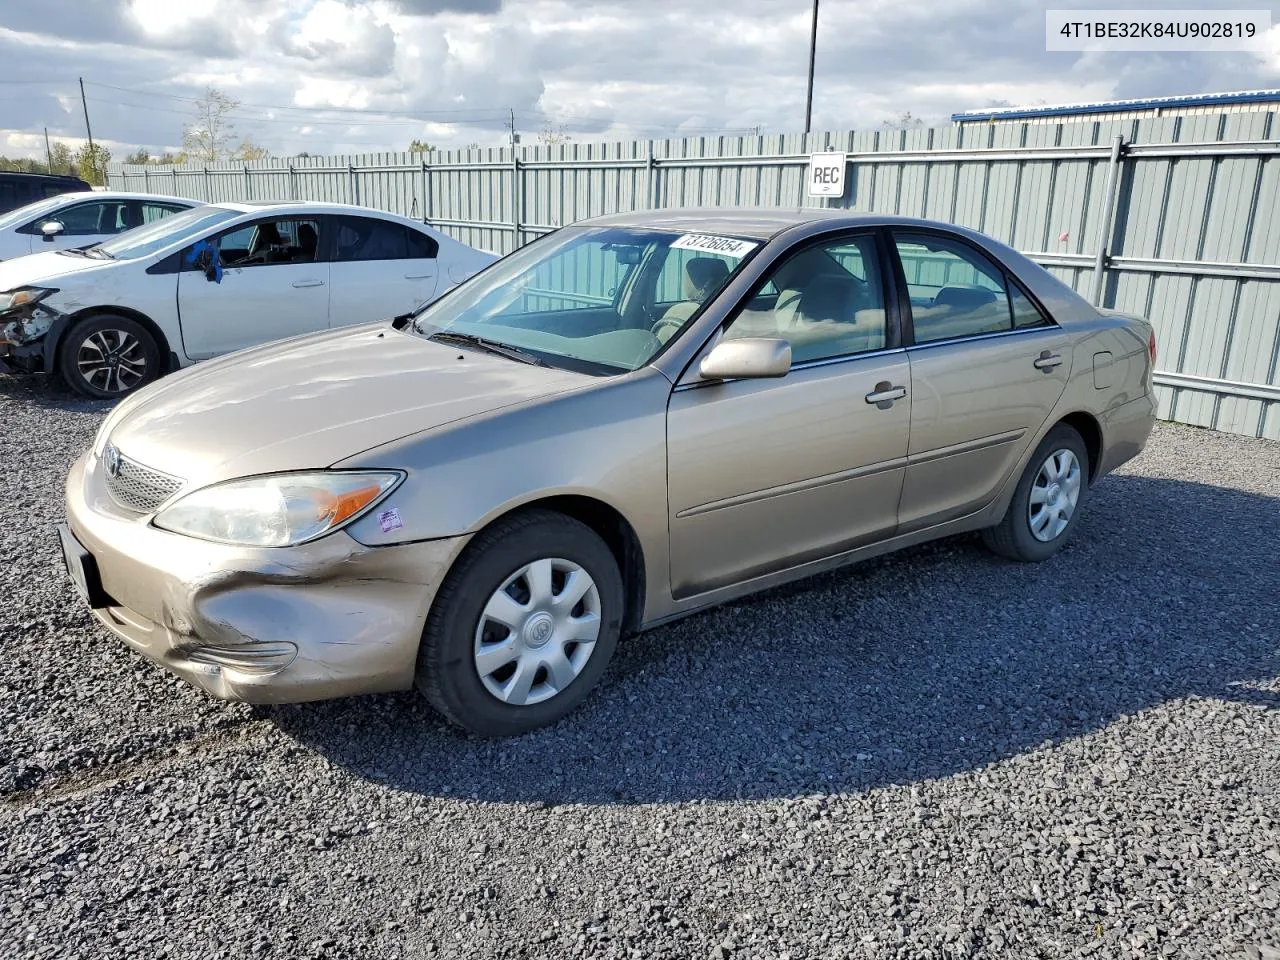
(517, 197)
(208, 188)
(426, 192)
(293, 182)
(248, 183)
(146, 179)
(1108, 220)
(351, 183)
(651, 178)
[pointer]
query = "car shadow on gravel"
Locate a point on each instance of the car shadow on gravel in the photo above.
(930, 662)
(50, 393)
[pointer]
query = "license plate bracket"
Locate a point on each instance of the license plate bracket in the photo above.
(82, 570)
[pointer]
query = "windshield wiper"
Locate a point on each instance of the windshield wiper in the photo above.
(97, 253)
(490, 346)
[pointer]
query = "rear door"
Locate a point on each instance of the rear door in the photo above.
(379, 269)
(988, 366)
(272, 287)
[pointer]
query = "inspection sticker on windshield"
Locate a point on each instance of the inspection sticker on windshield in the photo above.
(389, 520)
(724, 246)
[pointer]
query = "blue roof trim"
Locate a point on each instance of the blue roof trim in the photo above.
(1118, 106)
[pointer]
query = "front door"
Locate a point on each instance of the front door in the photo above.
(273, 285)
(987, 369)
(767, 474)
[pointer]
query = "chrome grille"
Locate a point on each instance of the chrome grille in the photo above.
(134, 486)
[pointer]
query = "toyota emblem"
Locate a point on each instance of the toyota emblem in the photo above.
(111, 460)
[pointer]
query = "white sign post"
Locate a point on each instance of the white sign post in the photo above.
(826, 174)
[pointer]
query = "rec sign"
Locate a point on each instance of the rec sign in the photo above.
(826, 174)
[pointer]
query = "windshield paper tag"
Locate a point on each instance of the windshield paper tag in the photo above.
(724, 246)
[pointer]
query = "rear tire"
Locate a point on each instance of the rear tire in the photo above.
(523, 626)
(107, 357)
(1047, 501)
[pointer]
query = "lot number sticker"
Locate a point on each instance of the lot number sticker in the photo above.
(826, 174)
(724, 246)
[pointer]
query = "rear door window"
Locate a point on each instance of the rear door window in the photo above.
(366, 238)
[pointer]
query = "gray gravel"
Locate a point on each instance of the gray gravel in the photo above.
(934, 755)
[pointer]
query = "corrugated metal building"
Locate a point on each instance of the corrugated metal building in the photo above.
(1194, 105)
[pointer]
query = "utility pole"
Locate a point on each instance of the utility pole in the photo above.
(515, 137)
(48, 154)
(93, 154)
(813, 49)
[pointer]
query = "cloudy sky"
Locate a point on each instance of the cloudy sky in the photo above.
(332, 76)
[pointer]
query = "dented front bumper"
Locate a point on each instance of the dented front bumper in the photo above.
(329, 618)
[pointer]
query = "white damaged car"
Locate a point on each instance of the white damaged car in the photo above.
(214, 279)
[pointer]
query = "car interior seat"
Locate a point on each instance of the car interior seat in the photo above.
(308, 242)
(702, 277)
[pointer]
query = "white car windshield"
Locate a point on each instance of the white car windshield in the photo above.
(32, 210)
(178, 228)
(601, 300)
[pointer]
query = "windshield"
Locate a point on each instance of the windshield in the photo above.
(178, 228)
(596, 299)
(32, 210)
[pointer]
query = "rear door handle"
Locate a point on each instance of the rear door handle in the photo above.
(308, 283)
(1047, 361)
(885, 393)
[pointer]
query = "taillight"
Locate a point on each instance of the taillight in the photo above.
(1151, 348)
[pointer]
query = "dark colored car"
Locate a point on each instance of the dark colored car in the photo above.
(19, 189)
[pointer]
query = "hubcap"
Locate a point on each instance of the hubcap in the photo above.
(113, 361)
(1054, 495)
(537, 632)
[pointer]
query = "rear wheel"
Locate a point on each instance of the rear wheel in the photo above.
(523, 626)
(1047, 501)
(106, 357)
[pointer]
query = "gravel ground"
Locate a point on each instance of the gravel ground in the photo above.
(934, 755)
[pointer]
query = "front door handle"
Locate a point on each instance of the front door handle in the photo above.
(885, 393)
(308, 283)
(418, 276)
(1047, 361)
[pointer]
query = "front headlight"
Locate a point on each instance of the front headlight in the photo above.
(22, 297)
(278, 510)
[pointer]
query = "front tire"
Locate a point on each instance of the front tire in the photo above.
(1047, 501)
(523, 627)
(107, 357)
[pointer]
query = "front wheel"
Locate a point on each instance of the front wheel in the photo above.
(1047, 501)
(107, 357)
(523, 626)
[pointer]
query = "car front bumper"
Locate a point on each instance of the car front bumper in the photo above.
(329, 618)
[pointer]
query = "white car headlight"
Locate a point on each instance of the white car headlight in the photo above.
(23, 296)
(279, 510)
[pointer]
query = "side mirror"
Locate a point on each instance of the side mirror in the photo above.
(747, 359)
(205, 262)
(51, 228)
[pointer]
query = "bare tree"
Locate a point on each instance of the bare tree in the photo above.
(904, 122)
(208, 137)
(421, 146)
(553, 134)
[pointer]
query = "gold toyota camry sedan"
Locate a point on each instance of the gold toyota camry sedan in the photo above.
(624, 422)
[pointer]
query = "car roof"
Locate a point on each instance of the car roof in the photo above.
(761, 223)
(291, 206)
(122, 195)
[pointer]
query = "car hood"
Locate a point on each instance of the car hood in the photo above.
(312, 401)
(44, 269)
